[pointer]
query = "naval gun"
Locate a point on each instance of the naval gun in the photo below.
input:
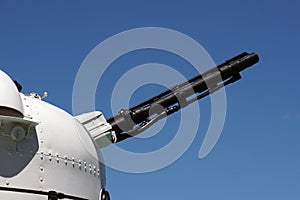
(47, 153)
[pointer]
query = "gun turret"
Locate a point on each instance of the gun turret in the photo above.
(30, 129)
(130, 122)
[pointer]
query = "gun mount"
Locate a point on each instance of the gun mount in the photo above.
(42, 143)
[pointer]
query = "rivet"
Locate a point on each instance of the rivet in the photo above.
(90, 166)
(41, 179)
(66, 160)
(57, 157)
(42, 169)
(7, 182)
(79, 165)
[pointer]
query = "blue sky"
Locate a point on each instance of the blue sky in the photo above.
(43, 43)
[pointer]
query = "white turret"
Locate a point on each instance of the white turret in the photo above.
(45, 152)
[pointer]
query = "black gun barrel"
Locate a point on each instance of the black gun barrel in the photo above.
(132, 121)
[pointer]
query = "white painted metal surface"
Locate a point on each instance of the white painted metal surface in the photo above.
(98, 128)
(9, 94)
(46, 150)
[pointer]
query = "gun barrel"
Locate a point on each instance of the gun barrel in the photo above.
(176, 97)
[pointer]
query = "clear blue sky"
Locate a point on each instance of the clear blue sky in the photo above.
(43, 43)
